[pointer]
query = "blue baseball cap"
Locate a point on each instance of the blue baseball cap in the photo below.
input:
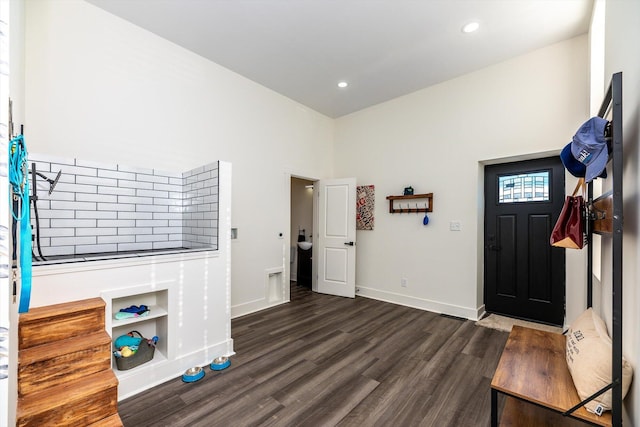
(589, 147)
(574, 167)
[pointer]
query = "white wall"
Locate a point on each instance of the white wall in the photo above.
(436, 140)
(99, 88)
(622, 31)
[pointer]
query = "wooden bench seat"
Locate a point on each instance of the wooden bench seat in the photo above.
(533, 368)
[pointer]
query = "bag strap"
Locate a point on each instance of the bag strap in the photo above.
(580, 184)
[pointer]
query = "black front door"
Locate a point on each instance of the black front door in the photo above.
(524, 276)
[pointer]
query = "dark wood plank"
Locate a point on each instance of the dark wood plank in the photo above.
(331, 361)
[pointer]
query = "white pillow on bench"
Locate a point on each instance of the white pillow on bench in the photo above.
(589, 360)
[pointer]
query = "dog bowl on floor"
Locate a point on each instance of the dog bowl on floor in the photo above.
(220, 363)
(193, 374)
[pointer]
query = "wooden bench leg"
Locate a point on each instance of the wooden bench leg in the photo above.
(494, 408)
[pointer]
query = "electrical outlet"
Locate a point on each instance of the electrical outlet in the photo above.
(403, 282)
(455, 226)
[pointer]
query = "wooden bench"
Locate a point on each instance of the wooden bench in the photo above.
(533, 369)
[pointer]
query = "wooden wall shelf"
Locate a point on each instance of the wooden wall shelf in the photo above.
(602, 211)
(428, 200)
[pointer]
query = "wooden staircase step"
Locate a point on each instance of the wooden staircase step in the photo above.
(62, 361)
(42, 325)
(80, 402)
(112, 421)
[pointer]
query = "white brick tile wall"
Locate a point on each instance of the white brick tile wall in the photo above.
(91, 180)
(136, 215)
(117, 190)
(152, 208)
(75, 223)
(104, 198)
(92, 249)
(116, 223)
(96, 214)
(58, 250)
(47, 213)
(116, 239)
(134, 231)
(72, 206)
(141, 177)
(134, 184)
(116, 207)
(152, 193)
(97, 207)
(135, 246)
(75, 188)
(105, 173)
(57, 232)
(96, 231)
(135, 200)
(67, 241)
(152, 238)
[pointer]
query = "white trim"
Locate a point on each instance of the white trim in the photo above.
(419, 303)
(480, 312)
(253, 307)
(152, 375)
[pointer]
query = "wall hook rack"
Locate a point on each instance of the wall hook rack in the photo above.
(428, 204)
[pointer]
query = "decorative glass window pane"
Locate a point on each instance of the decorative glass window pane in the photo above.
(530, 187)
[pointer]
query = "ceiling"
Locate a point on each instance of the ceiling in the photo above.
(382, 48)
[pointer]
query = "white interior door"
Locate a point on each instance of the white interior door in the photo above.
(336, 241)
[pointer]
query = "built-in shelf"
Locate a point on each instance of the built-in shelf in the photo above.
(155, 311)
(158, 359)
(153, 324)
(414, 203)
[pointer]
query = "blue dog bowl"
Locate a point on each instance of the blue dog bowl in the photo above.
(193, 374)
(220, 363)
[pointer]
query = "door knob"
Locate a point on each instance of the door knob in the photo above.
(349, 243)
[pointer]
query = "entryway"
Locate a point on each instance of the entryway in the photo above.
(333, 249)
(301, 231)
(524, 276)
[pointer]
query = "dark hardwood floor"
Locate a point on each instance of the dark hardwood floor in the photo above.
(329, 361)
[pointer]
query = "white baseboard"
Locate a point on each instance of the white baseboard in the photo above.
(420, 303)
(152, 374)
(253, 307)
(480, 312)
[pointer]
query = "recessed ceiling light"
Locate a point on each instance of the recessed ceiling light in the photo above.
(470, 27)
(342, 85)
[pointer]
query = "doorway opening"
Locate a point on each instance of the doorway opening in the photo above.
(524, 276)
(301, 232)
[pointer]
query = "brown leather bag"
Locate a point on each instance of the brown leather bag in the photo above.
(569, 231)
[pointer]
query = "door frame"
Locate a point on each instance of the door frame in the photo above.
(555, 309)
(287, 234)
(574, 260)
